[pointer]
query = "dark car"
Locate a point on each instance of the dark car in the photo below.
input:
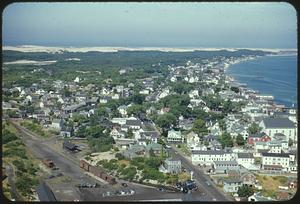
(124, 184)
(161, 189)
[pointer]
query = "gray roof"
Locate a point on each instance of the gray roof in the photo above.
(133, 122)
(266, 154)
(245, 155)
(232, 180)
(278, 123)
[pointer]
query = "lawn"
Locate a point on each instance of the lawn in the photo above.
(36, 128)
(270, 184)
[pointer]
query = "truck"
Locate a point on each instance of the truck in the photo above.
(49, 163)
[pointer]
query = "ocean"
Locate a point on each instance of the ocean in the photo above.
(274, 75)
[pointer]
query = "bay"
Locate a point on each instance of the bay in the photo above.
(274, 75)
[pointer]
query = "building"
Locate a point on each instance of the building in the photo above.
(171, 166)
(156, 148)
(245, 159)
(223, 167)
(275, 161)
(57, 124)
(175, 136)
(192, 140)
(200, 157)
(133, 124)
(279, 125)
(258, 137)
(231, 185)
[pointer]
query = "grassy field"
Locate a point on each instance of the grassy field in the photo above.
(36, 128)
(25, 166)
(270, 184)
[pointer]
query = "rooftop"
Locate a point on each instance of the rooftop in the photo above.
(278, 123)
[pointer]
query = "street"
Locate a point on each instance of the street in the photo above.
(201, 179)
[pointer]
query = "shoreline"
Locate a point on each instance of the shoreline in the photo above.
(231, 77)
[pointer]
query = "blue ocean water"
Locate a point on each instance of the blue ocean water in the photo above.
(275, 75)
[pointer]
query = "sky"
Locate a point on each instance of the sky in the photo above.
(240, 25)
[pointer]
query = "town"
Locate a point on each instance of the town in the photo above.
(167, 130)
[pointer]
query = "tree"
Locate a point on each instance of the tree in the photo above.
(240, 140)
(130, 134)
(166, 120)
(119, 156)
(245, 191)
(151, 153)
(226, 140)
(199, 127)
(137, 98)
(254, 128)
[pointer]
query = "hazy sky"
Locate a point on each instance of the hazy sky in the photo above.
(264, 25)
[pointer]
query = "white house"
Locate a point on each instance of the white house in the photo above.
(192, 140)
(209, 156)
(57, 124)
(122, 109)
(174, 136)
(279, 125)
(275, 161)
(245, 159)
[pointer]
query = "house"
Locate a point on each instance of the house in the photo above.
(134, 151)
(122, 109)
(259, 198)
(245, 159)
(156, 148)
(192, 140)
(133, 124)
(174, 136)
(66, 131)
(231, 185)
(223, 167)
(279, 125)
(186, 124)
(258, 137)
(248, 178)
(57, 124)
(275, 161)
(172, 166)
(150, 135)
(117, 133)
(209, 156)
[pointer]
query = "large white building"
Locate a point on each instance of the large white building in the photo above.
(245, 159)
(275, 161)
(209, 156)
(271, 126)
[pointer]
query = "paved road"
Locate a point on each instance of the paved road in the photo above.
(211, 191)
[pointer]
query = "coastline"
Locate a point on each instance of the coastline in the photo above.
(233, 79)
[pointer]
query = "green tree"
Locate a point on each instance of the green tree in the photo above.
(199, 127)
(130, 134)
(226, 140)
(245, 191)
(254, 128)
(151, 153)
(240, 140)
(166, 120)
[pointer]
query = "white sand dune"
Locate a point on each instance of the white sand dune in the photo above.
(31, 62)
(33, 48)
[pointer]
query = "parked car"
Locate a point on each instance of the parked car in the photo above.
(124, 184)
